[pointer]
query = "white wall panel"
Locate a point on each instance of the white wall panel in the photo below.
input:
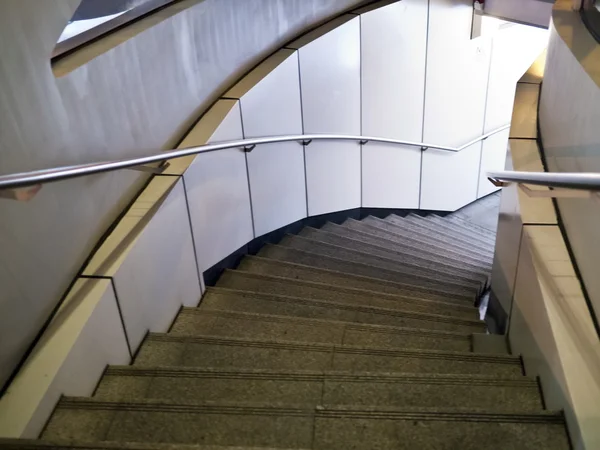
(150, 257)
(217, 192)
(457, 75)
(330, 81)
(332, 176)
(85, 335)
(449, 180)
(390, 175)
(514, 50)
(493, 157)
(394, 40)
(270, 104)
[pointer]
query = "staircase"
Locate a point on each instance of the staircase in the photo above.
(353, 336)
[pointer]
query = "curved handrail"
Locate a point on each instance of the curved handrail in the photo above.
(568, 180)
(38, 177)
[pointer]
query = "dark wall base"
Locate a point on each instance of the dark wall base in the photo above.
(496, 318)
(212, 274)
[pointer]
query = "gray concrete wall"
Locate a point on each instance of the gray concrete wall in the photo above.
(138, 90)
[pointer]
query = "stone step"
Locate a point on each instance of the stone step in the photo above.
(312, 388)
(293, 255)
(269, 284)
(258, 264)
(447, 229)
(226, 299)
(467, 224)
(334, 251)
(324, 427)
(209, 351)
(474, 233)
(426, 257)
(236, 324)
(405, 237)
(420, 234)
(417, 267)
(30, 444)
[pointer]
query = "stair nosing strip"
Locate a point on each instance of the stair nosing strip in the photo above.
(382, 329)
(345, 349)
(366, 309)
(330, 287)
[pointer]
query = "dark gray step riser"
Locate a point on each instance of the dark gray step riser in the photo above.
(267, 266)
(318, 430)
(320, 248)
(408, 263)
(295, 307)
(217, 323)
(470, 232)
(292, 255)
(445, 228)
(235, 280)
(425, 235)
(425, 257)
(428, 236)
(319, 391)
(286, 357)
(406, 238)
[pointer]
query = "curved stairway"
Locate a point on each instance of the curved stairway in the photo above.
(352, 336)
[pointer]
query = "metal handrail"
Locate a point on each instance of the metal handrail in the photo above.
(38, 177)
(568, 180)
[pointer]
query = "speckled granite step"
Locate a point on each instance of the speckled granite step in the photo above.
(188, 385)
(325, 427)
(417, 267)
(236, 324)
(424, 256)
(268, 284)
(28, 444)
(471, 225)
(425, 235)
(268, 266)
(404, 237)
(487, 239)
(281, 253)
(208, 351)
(448, 229)
(334, 251)
(261, 303)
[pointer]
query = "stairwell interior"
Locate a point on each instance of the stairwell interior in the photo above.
(334, 301)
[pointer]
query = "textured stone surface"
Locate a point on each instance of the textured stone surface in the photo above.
(283, 253)
(423, 255)
(430, 236)
(334, 251)
(221, 298)
(235, 279)
(262, 326)
(257, 264)
(428, 272)
(405, 237)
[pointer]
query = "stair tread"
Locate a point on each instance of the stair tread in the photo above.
(25, 444)
(260, 264)
(277, 304)
(426, 236)
(439, 273)
(425, 255)
(258, 282)
(395, 234)
(304, 257)
(343, 253)
(472, 225)
(449, 229)
(465, 229)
